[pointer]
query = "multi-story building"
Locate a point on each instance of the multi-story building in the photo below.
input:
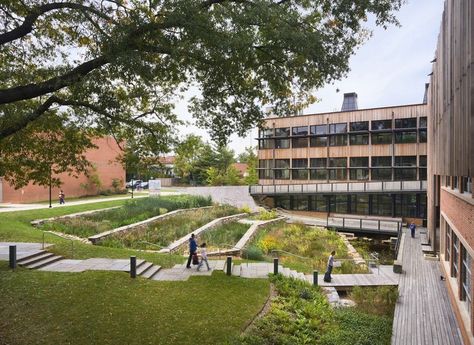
(369, 162)
(451, 157)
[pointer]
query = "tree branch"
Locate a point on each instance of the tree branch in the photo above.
(27, 26)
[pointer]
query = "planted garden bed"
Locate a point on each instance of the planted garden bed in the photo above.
(224, 236)
(311, 247)
(155, 235)
(132, 212)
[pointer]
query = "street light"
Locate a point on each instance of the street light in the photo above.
(132, 187)
(50, 187)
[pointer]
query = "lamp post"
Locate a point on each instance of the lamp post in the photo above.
(132, 187)
(50, 187)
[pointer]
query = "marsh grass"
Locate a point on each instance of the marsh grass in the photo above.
(224, 235)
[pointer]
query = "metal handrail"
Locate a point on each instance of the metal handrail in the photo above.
(399, 239)
(64, 238)
(295, 255)
(152, 244)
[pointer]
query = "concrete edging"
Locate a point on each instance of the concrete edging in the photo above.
(397, 264)
(37, 222)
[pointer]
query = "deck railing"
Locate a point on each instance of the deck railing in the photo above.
(363, 225)
(399, 239)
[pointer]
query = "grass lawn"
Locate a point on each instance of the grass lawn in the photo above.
(110, 308)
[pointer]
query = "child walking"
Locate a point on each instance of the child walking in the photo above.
(203, 257)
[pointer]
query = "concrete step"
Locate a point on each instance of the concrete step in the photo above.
(285, 271)
(144, 267)
(220, 265)
(150, 273)
(33, 259)
(301, 276)
(25, 258)
(236, 270)
(293, 274)
(45, 262)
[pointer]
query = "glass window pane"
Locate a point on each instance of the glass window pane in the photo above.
(299, 142)
(405, 174)
(382, 204)
(319, 174)
(318, 162)
(422, 172)
(265, 163)
(283, 202)
(359, 139)
(423, 161)
(359, 174)
(382, 161)
(319, 129)
(405, 161)
(299, 174)
(338, 203)
(302, 130)
(282, 143)
(300, 202)
(300, 163)
(360, 204)
(319, 141)
(282, 174)
(266, 133)
(318, 203)
(405, 123)
(381, 138)
(381, 174)
(359, 161)
(336, 128)
(423, 136)
(265, 174)
(423, 122)
(338, 174)
(381, 124)
(338, 162)
(265, 144)
(359, 126)
(282, 132)
(405, 137)
(338, 140)
(282, 163)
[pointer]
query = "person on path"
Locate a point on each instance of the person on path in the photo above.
(61, 197)
(412, 229)
(203, 257)
(192, 249)
(327, 275)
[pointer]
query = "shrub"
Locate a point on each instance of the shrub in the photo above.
(267, 215)
(378, 300)
(245, 209)
(252, 253)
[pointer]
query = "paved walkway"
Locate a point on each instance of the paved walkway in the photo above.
(22, 249)
(423, 314)
(237, 196)
(379, 277)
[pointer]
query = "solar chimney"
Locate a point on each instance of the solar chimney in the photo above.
(350, 102)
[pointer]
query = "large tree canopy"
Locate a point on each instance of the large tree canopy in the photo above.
(93, 67)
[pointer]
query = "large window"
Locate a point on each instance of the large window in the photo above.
(319, 141)
(405, 137)
(423, 136)
(359, 126)
(299, 174)
(300, 202)
(319, 129)
(360, 204)
(466, 279)
(282, 163)
(283, 202)
(318, 203)
(282, 143)
(379, 174)
(299, 142)
(405, 174)
(337, 128)
(265, 144)
(266, 133)
(357, 162)
(447, 250)
(338, 140)
(359, 139)
(423, 122)
(455, 256)
(382, 204)
(300, 163)
(282, 132)
(265, 174)
(319, 174)
(405, 161)
(338, 203)
(338, 174)
(382, 124)
(338, 162)
(405, 123)
(282, 174)
(381, 138)
(302, 130)
(359, 174)
(382, 161)
(318, 162)
(405, 205)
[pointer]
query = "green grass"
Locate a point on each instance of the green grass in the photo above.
(224, 235)
(364, 247)
(133, 211)
(166, 231)
(84, 198)
(110, 308)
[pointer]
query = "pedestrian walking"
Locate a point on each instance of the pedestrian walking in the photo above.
(62, 196)
(203, 257)
(192, 249)
(327, 275)
(412, 229)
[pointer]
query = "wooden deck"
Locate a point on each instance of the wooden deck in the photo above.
(423, 314)
(384, 276)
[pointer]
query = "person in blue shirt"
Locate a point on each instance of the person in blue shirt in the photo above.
(192, 249)
(412, 229)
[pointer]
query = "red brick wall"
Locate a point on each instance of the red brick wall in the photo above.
(103, 158)
(460, 213)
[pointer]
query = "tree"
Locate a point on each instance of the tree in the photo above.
(250, 158)
(114, 67)
(188, 152)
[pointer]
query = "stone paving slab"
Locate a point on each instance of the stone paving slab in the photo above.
(179, 272)
(65, 265)
(23, 249)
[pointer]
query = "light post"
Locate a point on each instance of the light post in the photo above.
(50, 187)
(132, 187)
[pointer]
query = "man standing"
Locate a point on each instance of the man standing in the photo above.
(412, 229)
(327, 275)
(192, 250)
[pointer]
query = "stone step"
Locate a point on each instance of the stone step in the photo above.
(236, 270)
(285, 272)
(34, 258)
(30, 256)
(301, 276)
(220, 265)
(45, 262)
(150, 273)
(293, 274)
(144, 267)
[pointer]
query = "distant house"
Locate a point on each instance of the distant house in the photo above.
(167, 165)
(106, 169)
(242, 168)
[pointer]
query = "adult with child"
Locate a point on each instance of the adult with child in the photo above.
(203, 257)
(192, 249)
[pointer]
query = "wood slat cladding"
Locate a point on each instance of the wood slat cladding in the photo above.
(451, 105)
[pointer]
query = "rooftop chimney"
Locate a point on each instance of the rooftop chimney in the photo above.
(350, 102)
(425, 97)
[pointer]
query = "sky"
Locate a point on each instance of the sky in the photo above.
(391, 68)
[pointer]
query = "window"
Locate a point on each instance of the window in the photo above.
(405, 161)
(265, 174)
(282, 174)
(382, 204)
(282, 163)
(466, 279)
(338, 162)
(283, 202)
(318, 203)
(318, 162)
(338, 140)
(423, 161)
(318, 130)
(360, 204)
(381, 138)
(300, 163)
(423, 174)
(359, 139)
(337, 128)
(405, 137)
(359, 161)
(299, 142)
(405, 123)
(282, 143)
(423, 122)
(359, 126)
(338, 203)
(319, 174)
(299, 174)
(265, 144)
(381, 174)
(382, 161)
(282, 132)
(319, 141)
(300, 202)
(406, 205)
(265, 164)
(359, 174)
(447, 251)
(405, 174)
(382, 124)
(303, 130)
(454, 260)
(423, 136)
(266, 133)
(337, 174)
